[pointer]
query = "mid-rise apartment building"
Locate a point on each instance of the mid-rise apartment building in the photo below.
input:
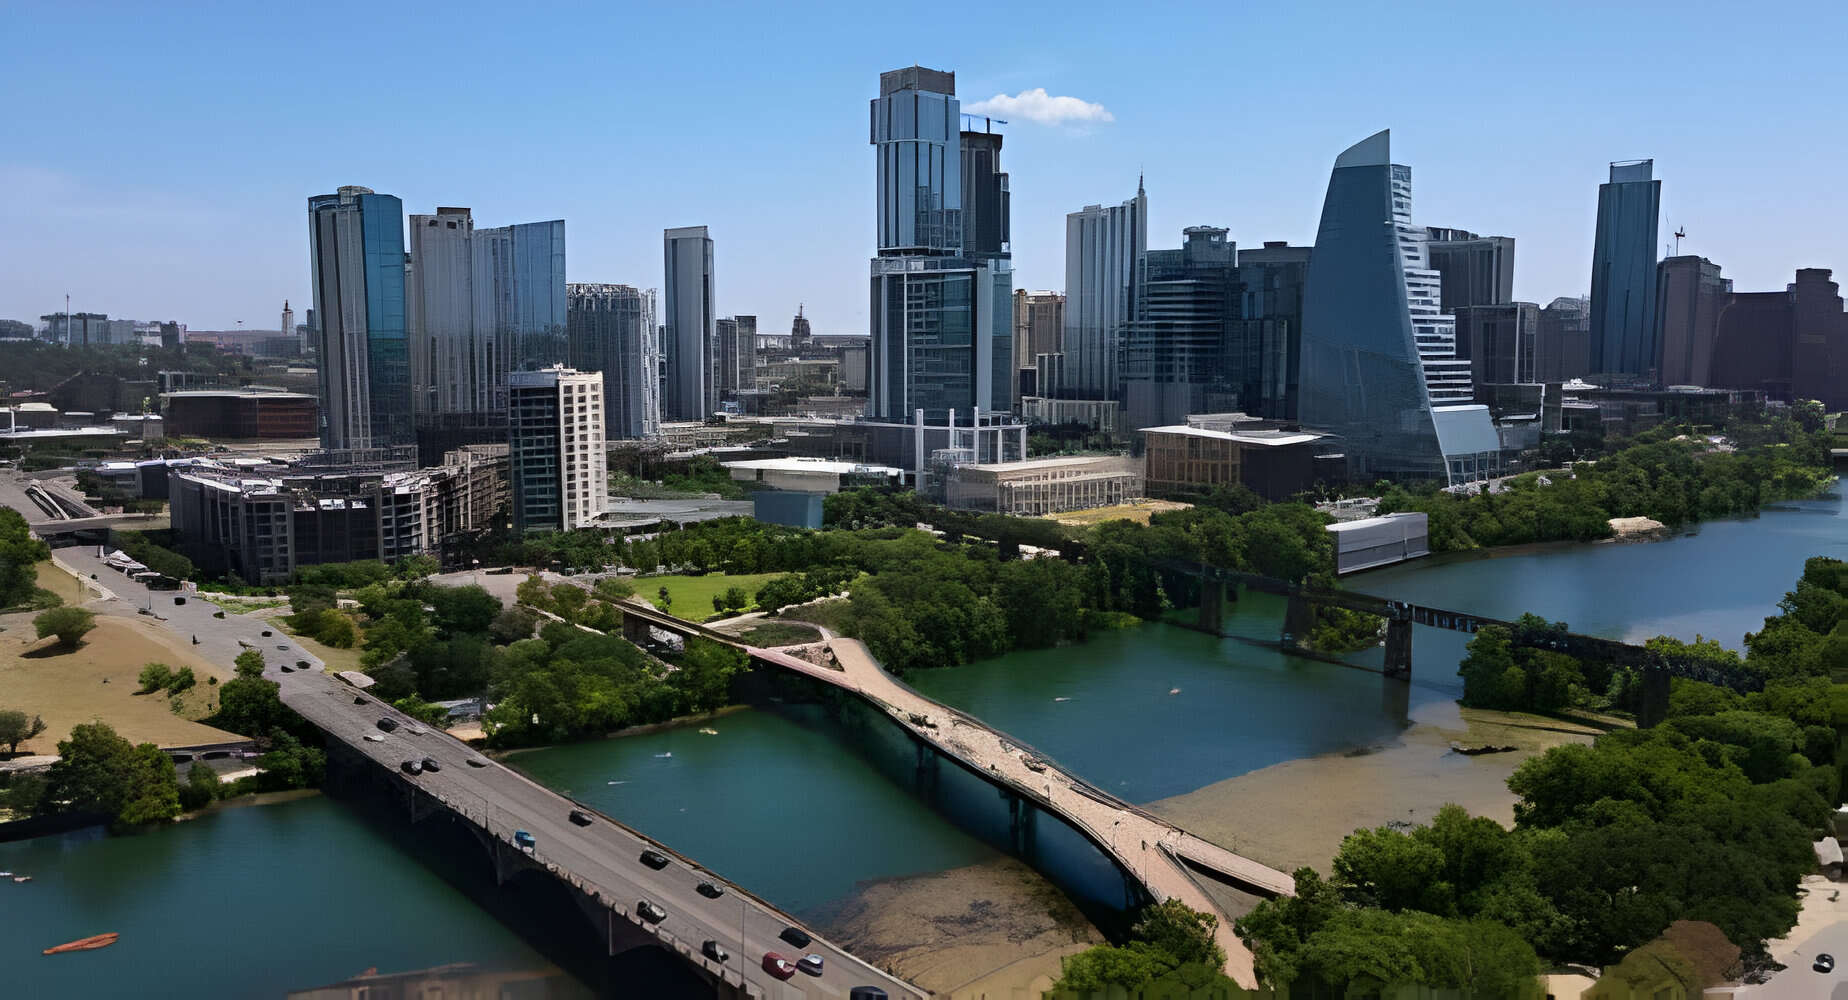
(555, 434)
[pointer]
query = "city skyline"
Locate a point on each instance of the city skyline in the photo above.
(1527, 166)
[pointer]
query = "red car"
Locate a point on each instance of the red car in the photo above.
(778, 966)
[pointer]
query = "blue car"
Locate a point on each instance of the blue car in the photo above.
(523, 840)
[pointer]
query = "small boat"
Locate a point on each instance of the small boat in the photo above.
(85, 944)
(624, 782)
(708, 731)
(1174, 690)
(670, 753)
(1061, 698)
(22, 878)
(6, 874)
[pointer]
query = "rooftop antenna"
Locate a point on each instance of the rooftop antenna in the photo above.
(1680, 234)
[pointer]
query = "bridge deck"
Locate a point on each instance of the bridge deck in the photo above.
(599, 858)
(1143, 844)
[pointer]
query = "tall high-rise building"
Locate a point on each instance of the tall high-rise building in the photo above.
(356, 244)
(1623, 272)
(1372, 328)
(1790, 345)
(1174, 350)
(690, 330)
(612, 332)
(1500, 341)
(1689, 296)
(734, 355)
(800, 333)
(1039, 325)
(1563, 340)
(1473, 270)
(457, 365)
(558, 466)
(521, 270)
(941, 336)
(1103, 248)
(1265, 354)
(288, 319)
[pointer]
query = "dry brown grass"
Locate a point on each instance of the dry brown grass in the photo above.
(1137, 511)
(97, 680)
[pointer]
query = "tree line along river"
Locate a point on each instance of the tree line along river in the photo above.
(260, 901)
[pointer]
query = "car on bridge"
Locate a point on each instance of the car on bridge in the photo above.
(580, 817)
(412, 767)
(712, 950)
(524, 841)
(388, 724)
(810, 963)
(709, 889)
(778, 966)
(654, 859)
(796, 936)
(650, 912)
(430, 764)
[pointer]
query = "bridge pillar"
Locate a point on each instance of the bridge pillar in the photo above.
(1398, 662)
(1654, 706)
(1020, 815)
(635, 629)
(1298, 621)
(1212, 606)
(924, 775)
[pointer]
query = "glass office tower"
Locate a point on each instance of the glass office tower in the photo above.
(613, 332)
(940, 311)
(1103, 249)
(689, 339)
(1623, 272)
(520, 272)
(1364, 359)
(356, 247)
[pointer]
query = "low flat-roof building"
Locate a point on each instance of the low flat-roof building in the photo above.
(1380, 541)
(1045, 485)
(241, 414)
(1183, 460)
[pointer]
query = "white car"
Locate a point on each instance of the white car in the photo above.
(373, 738)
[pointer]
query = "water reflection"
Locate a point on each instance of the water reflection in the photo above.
(456, 981)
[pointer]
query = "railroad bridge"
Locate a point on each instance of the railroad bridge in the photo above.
(1218, 585)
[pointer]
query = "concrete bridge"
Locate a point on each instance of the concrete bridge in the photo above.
(1219, 585)
(1162, 860)
(596, 864)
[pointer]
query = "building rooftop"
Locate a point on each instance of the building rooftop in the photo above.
(1032, 464)
(248, 391)
(816, 465)
(1266, 438)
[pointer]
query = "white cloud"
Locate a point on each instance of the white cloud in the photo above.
(1038, 106)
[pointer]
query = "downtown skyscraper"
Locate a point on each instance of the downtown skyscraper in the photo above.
(1623, 272)
(1103, 257)
(356, 249)
(613, 333)
(941, 279)
(1378, 356)
(689, 337)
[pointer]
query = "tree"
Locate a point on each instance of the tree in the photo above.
(249, 664)
(706, 670)
(154, 677)
(1180, 931)
(250, 705)
(16, 728)
(99, 771)
(201, 788)
(666, 600)
(463, 609)
(68, 624)
(416, 567)
(513, 624)
(19, 551)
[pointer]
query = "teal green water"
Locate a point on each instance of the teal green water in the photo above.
(248, 902)
(255, 902)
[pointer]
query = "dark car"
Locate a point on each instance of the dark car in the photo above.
(709, 889)
(431, 765)
(388, 724)
(1825, 962)
(810, 964)
(654, 859)
(866, 993)
(359, 699)
(796, 936)
(412, 767)
(477, 762)
(286, 670)
(650, 912)
(712, 950)
(580, 817)
(778, 966)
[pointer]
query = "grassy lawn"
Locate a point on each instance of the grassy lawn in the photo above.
(771, 634)
(830, 614)
(336, 659)
(245, 605)
(692, 595)
(97, 680)
(1137, 511)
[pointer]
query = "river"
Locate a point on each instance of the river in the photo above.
(795, 816)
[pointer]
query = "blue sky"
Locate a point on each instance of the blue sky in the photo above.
(157, 158)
